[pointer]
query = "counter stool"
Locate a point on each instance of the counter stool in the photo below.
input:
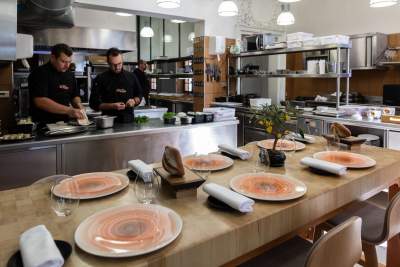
(379, 225)
(341, 246)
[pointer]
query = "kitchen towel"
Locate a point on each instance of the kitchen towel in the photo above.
(241, 153)
(324, 165)
(141, 169)
(38, 248)
(233, 199)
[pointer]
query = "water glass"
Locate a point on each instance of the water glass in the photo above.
(263, 162)
(146, 187)
(202, 167)
(291, 142)
(333, 143)
(64, 195)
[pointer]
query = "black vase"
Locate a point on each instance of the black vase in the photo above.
(276, 158)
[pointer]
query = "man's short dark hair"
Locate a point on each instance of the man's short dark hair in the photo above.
(141, 61)
(61, 48)
(113, 52)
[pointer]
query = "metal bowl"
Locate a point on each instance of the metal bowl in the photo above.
(104, 122)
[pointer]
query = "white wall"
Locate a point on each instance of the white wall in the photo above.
(104, 20)
(323, 17)
(190, 9)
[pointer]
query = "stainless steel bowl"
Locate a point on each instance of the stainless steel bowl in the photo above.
(104, 122)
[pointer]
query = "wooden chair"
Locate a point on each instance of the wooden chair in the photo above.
(379, 225)
(341, 246)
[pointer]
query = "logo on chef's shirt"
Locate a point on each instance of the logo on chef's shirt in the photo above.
(121, 91)
(63, 87)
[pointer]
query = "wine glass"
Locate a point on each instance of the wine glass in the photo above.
(202, 167)
(64, 195)
(146, 187)
(290, 142)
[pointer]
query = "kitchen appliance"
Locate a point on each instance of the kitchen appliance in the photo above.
(366, 50)
(391, 94)
(259, 41)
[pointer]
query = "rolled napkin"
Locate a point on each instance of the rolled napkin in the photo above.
(233, 199)
(141, 169)
(324, 165)
(38, 248)
(241, 153)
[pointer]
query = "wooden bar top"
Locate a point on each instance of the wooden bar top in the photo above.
(209, 237)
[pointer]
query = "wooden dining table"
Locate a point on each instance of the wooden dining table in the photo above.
(209, 237)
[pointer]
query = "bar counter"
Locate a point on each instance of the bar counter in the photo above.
(106, 150)
(209, 237)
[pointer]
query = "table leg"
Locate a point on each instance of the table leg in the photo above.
(393, 245)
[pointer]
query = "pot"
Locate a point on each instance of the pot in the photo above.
(276, 158)
(104, 122)
(186, 120)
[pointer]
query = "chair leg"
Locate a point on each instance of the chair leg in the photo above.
(371, 259)
(318, 232)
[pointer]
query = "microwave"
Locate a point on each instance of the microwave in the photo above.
(259, 41)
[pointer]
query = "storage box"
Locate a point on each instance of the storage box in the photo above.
(294, 44)
(259, 102)
(335, 40)
(299, 36)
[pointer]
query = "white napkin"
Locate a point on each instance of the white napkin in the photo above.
(233, 199)
(324, 165)
(141, 169)
(38, 248)
(242, 154)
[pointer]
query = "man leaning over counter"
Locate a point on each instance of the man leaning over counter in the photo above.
(143, 79)
(53, 91)
(116, 92)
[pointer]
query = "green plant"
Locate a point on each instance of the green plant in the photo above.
(141, 119)
(274, 120)
(169, 115)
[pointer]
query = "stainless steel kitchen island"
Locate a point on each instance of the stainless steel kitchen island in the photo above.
(104, 150)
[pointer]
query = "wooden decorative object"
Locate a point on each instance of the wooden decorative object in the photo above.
(180, 187)
(390, 119)
(350, 142)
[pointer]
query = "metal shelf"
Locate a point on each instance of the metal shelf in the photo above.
(328, 75)
(291, 50)
(172, 76)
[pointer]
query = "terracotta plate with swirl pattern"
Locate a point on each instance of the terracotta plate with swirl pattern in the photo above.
(348, 159)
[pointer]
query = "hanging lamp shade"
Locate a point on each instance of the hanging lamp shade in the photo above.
(228, 9)
(191, 37)
(147, 32)
(169, 3)
(286, 17)
(382, 3)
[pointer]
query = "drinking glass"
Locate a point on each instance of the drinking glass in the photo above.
(64, 195)
(202, 168)
(255, 152)
(146, 187)
(290, 140)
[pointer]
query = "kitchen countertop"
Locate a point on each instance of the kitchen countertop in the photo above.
(119, 130)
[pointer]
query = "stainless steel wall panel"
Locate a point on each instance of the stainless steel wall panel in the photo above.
(8, 29)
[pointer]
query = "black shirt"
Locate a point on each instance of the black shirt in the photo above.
(46, 81)
(144, 83)
(110, 87)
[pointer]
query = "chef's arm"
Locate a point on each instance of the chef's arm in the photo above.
(46, 104)
(77, 103)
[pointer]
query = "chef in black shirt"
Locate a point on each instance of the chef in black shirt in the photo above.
(143, 80)
(53, 91)
(116, 92)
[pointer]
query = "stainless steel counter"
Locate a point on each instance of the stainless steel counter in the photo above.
(106, 150)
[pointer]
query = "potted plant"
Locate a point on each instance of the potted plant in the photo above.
(274, 120)
(169, 117)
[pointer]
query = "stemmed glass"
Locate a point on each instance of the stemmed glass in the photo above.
(202, 167)
(146, 187)
(64, 195)
(291, 143)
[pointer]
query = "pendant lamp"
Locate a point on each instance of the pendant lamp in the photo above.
(228, 9)
(169, 3)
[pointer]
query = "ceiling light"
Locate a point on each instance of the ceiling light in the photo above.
(168, 38)
(169, 3)
(286, 17)
(177, 21)
(122, 14)
(228, 9)
(146, 32)
(382, 3)
(289, 1)
(191, 37)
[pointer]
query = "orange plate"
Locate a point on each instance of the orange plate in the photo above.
(127, 231)
(92, 185)
(282, 145)
(348, 159)
(268, 186)
(212, 162)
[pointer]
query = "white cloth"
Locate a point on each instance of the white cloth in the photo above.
(141, 169)
(242, 154)
(324, 165)
(38, 248)
(233, 199)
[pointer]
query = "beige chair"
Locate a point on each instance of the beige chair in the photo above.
(341, 246)
(379, 225)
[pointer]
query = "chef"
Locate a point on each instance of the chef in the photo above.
(116, 92)
(53, 91)
(143, 80)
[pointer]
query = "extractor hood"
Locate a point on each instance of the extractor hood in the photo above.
(44, 14)
(367, 49)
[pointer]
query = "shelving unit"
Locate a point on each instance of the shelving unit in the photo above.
(338, 75)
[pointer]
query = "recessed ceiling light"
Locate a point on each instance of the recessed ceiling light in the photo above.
(382, 3)
(177, 21)
(228, 9)
(169, 3)
(122, 14)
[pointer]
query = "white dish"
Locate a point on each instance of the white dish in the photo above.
(347, 159)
